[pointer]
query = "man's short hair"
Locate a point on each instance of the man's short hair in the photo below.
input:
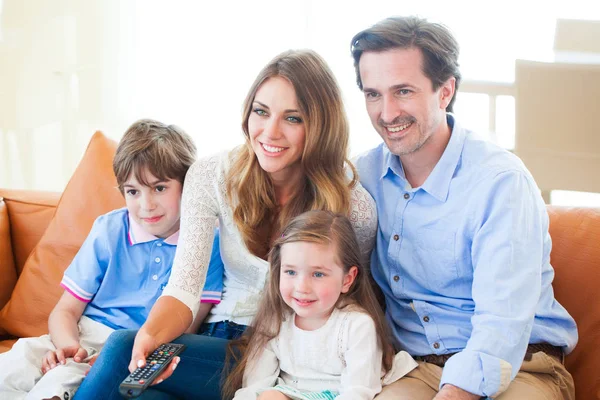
(437, 44)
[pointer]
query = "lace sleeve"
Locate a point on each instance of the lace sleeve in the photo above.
(199, 210)
(363, 216)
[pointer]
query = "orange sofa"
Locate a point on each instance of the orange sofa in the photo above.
(30, 273)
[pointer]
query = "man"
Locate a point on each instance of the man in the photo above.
(463, 249)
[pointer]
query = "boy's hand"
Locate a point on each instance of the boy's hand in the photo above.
(145, 344)
(54, 358)
(91, 362)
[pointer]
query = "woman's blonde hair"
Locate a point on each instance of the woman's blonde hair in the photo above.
(326, 185)
(322, 227)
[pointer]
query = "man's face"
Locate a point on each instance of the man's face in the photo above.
(401, 102)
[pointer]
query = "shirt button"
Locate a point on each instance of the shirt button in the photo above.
(157, 260)
(154, 277)
(396, 237)
(426, 318)
(159, 244)
(436, 345)
(396, 278)
(406, 196)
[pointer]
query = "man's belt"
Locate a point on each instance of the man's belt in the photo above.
(552, 351)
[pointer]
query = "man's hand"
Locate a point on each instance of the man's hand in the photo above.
(54, 358)
(451, 392)
(145, 344)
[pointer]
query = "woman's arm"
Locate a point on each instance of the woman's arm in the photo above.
(200, 317)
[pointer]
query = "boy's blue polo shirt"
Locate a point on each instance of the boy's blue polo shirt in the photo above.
(121, 270)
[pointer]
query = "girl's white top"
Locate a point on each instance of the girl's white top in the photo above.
(204, 201)
(342, 356)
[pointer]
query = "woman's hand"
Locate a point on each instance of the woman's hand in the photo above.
(144, 345)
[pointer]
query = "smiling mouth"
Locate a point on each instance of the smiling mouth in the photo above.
(152, 219)
(272, 149)
(304, 302)
(399, 128)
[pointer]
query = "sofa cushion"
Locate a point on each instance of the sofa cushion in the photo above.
(575, 257)
(29, 213)
(91, 192)
(7, 261)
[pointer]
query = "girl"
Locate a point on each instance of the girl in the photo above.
(319, 331)
(294, 159)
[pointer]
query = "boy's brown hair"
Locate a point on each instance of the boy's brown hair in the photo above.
(165, 150)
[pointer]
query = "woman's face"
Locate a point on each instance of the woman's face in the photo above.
(276, 128)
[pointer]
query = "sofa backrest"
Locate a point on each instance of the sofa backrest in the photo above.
(575, 257)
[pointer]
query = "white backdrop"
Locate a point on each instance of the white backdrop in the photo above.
(191, 63)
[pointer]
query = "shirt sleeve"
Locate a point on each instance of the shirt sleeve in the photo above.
(363, 216)
(358, 382)
(213, 288)
(199, 210)
(260, 373)
(85, 273)
(507, 252)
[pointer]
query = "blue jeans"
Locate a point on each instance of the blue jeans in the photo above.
(198, 374)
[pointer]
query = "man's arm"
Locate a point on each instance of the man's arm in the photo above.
(507, 254)
(64, 332)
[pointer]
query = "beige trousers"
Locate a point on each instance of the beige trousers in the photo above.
(542, 378)
(21, 376)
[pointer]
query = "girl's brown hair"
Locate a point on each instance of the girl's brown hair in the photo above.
(165, 150)
(326, 186)
(322, 227)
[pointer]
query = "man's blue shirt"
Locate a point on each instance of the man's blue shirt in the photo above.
(464, 260)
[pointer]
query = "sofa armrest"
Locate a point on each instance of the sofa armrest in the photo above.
(29, 213)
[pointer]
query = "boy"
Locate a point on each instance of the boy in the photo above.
(118, 273)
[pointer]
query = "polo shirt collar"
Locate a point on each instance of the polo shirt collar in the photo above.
(437, 183)
(138, 235)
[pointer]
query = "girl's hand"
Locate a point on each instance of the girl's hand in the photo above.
(144, 345)
(54, 358)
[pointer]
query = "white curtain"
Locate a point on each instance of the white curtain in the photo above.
(101, 64)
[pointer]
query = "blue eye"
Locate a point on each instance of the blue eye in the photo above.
(318, 274)
(289, 272)
(294, 120)
(260, 112)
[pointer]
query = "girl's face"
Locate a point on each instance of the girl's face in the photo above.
(276, 128)
(311, 281)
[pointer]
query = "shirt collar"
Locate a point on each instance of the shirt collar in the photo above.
(138, 235)
(437, 183)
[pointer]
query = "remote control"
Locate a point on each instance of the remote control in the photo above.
(156, 362)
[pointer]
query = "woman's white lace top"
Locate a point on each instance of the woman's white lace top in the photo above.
(204, 200)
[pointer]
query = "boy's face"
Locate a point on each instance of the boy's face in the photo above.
(156, 207)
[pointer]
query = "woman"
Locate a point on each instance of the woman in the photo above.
(294, 160)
